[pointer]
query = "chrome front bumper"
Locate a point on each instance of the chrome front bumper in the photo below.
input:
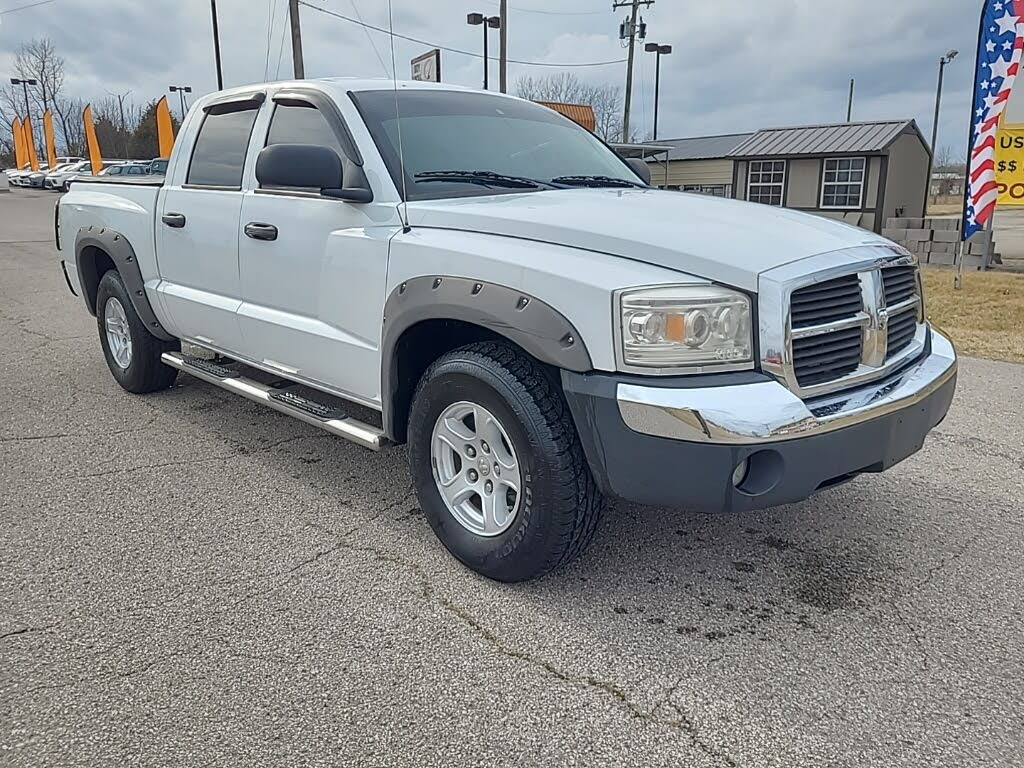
(767, 412)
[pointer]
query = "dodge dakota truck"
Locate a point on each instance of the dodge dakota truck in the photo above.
(479, 278)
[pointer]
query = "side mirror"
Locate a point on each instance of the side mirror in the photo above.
(298, 165)
(640, 168)
(308, 166)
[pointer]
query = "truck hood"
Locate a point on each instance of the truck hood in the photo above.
(727, 241)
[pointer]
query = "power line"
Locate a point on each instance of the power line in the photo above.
(552, 13)
(453, 50)
(369, 38)
(26, 7)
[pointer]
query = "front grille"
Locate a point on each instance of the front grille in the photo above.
(817, 359)
(826, 302)
(844, 331)
(901, 332)
(899, 283)
(826, 356)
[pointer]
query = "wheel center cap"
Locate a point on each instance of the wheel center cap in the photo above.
(485, 467)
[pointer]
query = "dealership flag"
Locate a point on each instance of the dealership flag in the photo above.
(1000, 43)
(95, 158)
(19, 144)
(164, 127)
(51, 145)
(30, 143)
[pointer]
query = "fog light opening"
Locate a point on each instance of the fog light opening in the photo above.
(763, 471)
(740, 473)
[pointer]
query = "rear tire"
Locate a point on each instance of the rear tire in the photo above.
(552, 517)
(132, 352)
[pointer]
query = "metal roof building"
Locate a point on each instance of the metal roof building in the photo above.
(862, 173)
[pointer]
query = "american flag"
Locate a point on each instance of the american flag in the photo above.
(999, 52)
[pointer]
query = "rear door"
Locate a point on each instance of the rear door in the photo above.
(197, 227)
(313, 269)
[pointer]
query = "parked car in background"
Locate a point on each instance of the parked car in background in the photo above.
(37, 179)
(60, 180)
(15, 176)
(126, 168)
(158, 166)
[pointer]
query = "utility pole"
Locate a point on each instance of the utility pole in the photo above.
(503, 46)
(935, 122)
(629, 30)
(297, 66)
(216, 45)
(849, 104)
(124, 126)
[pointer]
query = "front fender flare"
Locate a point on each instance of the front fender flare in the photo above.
(535, 326)
(120, 251)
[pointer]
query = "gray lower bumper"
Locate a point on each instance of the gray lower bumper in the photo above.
(679, 444)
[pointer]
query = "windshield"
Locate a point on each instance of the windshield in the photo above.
(486, 136)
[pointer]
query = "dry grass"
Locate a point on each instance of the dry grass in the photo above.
(946, 209)
(986, 318)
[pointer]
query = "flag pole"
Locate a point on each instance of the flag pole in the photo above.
(958, 281)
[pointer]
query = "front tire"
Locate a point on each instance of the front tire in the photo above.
(498, 465)
(132, 352)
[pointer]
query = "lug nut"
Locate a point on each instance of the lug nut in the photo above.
(497, 469)
(486, 448)
(473, 476)
(488, 486)
(471, 451)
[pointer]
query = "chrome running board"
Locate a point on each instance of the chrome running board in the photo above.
(303, 409)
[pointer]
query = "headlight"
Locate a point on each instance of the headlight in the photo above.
(685, 326)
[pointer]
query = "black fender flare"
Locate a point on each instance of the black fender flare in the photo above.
(535, 326)
(120, 251)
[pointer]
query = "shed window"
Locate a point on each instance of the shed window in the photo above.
(766, 180)
(842, 184)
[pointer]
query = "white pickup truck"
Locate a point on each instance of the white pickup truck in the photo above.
(498, 289)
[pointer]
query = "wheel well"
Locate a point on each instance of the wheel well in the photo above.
(419, 346)
(93, 263)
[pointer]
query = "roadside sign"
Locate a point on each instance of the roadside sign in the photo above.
(427, 67)
(1010, 164)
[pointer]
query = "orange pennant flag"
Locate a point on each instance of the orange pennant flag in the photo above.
(51, 144)
(30, 143)
(19, 144)
(164, 127)
(95, 158)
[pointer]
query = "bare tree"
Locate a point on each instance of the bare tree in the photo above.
(37, 60)
(565, 87)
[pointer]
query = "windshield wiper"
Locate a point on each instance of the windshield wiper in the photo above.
(486, 178)
(596, 181)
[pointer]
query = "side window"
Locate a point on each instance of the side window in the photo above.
(219, 154)
(301, 124)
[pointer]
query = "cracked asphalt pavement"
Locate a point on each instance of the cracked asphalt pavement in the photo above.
(188, 579)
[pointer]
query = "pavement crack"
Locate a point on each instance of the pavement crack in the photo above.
(682, 723)
(26, 630)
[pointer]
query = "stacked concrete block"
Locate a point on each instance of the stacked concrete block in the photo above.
(936, 240)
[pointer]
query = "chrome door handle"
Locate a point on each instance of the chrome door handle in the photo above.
(258, 231)
(176, 220)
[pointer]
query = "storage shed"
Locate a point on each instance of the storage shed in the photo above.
(701, 164)
(861, 173)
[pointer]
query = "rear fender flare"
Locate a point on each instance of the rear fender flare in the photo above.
(120, 251)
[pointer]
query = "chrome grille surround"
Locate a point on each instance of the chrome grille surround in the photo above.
(776, 334)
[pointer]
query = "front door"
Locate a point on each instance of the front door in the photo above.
(313, 271)
(197, 230)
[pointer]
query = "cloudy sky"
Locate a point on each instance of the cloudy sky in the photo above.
(736, 67)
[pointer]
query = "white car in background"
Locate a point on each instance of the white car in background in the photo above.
(15, 176)
(61, 178)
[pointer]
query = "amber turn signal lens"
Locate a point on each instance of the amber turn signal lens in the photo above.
(675, 328)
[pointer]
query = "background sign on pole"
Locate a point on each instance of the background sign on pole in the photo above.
(427, 67)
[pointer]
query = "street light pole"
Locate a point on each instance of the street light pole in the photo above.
(487, 22)
(935, 123)
(660, 50)
(25, 83)
(181, 90)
